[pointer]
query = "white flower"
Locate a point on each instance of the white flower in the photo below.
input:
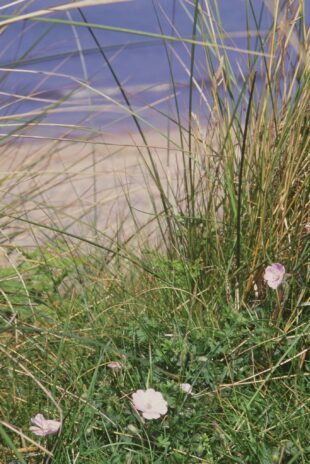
(43, 427)
(186, 388)
(274, 275)
(150, 402)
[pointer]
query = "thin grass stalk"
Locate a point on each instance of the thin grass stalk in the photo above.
(139, 128)
(239, 205)
(178, 121)
(86, 77)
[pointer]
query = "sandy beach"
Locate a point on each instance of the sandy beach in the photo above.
(84, 186)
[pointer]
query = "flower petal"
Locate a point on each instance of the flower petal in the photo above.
(151, 415)
(38, 420)
(274, 284)
(53, 425)
(40, 432)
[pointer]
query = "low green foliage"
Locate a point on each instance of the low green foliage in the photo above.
(249, 377)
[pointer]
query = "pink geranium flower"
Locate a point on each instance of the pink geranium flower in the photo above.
(115, 365)
(274, 275)
(150, 403)
(43, 427)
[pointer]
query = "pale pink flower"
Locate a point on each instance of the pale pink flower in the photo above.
(115, 365)
(186, 388)
(43, 427)
(150, 402)
(274, 275)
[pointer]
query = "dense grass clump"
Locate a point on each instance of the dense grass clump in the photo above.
(89, 318)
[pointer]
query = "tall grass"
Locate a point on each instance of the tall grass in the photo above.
(175, 293)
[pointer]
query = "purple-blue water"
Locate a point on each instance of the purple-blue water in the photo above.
(140, 63)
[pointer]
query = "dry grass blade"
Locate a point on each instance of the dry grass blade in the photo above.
(8, 5)
(55, 9)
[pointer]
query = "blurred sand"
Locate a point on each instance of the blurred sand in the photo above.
(84, 186)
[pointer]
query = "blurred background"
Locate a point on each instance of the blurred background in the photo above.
(46, 61)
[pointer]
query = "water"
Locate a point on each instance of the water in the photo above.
(140, 63)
